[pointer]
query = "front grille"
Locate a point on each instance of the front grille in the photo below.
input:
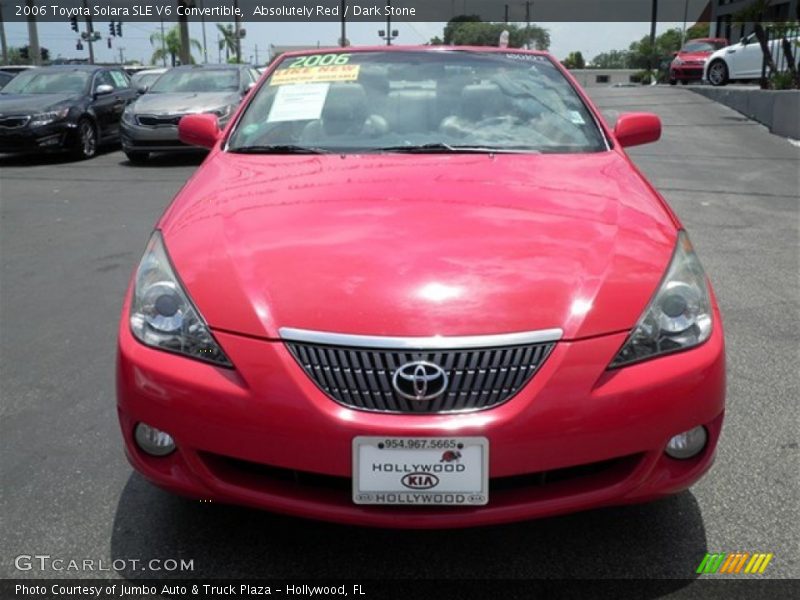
(13, 122)
(159, 120)
(477, 378)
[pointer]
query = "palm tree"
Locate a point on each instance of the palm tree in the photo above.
(227, 41)
(169, 44)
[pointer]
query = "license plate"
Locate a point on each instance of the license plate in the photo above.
(421, 471)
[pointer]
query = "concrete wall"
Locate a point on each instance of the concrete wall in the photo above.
(595, 77)
(777, 109)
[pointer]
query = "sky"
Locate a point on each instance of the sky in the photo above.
(589, 38)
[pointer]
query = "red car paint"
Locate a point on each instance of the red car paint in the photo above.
(688, 64)
(364, 244)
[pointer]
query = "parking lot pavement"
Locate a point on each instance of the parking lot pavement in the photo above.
(72, 232)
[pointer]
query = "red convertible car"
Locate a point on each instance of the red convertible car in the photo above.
(420, 287)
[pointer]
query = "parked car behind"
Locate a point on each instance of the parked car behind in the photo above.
(151, 123)
(741, 61)
(691, 58)
(70, 107)
(142, 81)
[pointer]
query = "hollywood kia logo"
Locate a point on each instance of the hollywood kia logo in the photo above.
(420, 481)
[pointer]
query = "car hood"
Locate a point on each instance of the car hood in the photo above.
(184, 102)
(685, 56)
(416, 245)
(28, 104)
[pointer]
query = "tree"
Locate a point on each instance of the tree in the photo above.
(574, 61)
(227, 40)
(473, 32)
(613, 59)
(169, 44)
(698, 30)
(21, 55)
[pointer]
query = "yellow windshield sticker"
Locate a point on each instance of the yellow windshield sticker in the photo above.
(330, 73)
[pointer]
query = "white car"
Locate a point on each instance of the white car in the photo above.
(742, 60)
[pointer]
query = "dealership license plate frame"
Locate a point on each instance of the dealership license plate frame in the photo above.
(397, 495)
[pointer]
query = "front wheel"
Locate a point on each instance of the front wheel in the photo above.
(86, 145)
(672, 81)
(718, 73)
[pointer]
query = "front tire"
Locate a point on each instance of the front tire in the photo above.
(137, 157)
(672, 81)
(718, 73)
(86, 143)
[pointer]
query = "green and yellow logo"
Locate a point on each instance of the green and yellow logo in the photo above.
(735, 562)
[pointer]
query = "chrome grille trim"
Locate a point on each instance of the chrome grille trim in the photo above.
(290, 334)
(480, 378)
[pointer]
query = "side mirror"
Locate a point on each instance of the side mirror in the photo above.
(675, 53)
(633, 129)
(103, 89)
(199, 130)
(142, 89)
(249, 88)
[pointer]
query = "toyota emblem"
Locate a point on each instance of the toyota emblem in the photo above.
(420, 380)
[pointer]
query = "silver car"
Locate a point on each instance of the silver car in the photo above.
(151, 123)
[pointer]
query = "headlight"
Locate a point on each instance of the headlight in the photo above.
(678, 316)
(46, 118)
(677, 62)
(128, 116)
(163, 316)
(223, 112)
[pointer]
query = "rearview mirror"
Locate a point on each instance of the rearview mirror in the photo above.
(103, 89)
(199, 130)
(633, 129)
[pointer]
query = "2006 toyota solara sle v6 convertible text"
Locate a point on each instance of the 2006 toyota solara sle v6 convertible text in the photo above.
(420, 287)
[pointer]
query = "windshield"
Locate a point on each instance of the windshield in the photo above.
(44, 82)
(429, 101)
(702, 46)
(198, 80)
(144, 79)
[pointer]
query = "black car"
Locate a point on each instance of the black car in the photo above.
(70, 107)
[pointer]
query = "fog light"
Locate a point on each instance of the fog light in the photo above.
(153, 441)
(687, 444)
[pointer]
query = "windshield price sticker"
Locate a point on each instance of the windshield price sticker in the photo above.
(332, 73)
(300, 102)
(421, 471)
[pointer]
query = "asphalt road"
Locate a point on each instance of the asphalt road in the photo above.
(72, 232)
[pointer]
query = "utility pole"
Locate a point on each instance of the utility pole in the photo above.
(653, 21)
(685, 14)
(256, 63)
(3, 42)
(203, 22)
(183, 24)
(343, 39)
(89, 32)
(219, 50)
(121, 56)
(528, 25)
(505, 16)
(388, 24)
(34, 53)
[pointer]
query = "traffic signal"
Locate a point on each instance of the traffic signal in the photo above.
(111, 30)
(73, 23)
(79, 46)
(23, 52)
(119, 28)
(109, 42)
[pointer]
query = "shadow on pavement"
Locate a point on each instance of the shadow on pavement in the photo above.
(161, 160)
(664, 539)
(49, 158)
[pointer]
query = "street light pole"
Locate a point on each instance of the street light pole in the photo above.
(89, 32)
(3, 43)
(34, 53)
(685, 13)
(343, 39)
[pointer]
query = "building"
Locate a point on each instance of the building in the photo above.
(724, 16)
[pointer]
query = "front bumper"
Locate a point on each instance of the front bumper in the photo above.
(686, 73)
(137, 138)
(265, 436)
(54, 136)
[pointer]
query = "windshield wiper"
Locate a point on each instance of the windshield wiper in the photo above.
(441, 147)
(278, 149)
